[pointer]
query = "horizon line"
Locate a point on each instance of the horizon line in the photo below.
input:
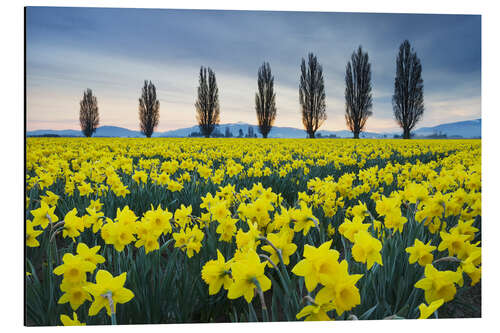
(244, 123)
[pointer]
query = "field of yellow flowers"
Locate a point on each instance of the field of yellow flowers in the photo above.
(126, 231)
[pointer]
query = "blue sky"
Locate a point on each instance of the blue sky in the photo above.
(112, 51)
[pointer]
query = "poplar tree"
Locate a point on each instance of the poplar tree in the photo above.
(149, 109)
(207, 104)
(89, 113)
(358, 92)
(265, 100)
(312, 95)
(408, 98)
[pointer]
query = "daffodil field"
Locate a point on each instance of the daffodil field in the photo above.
(129, 231)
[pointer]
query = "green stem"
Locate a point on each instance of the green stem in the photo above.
(287, 282)
(265, 314)
(118, 260)
(109, 297)
(278, 251)
(165, 245)
(50, 267)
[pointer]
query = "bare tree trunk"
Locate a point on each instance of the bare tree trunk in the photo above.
(406, 133)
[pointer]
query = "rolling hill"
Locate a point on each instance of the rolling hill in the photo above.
(465, 129)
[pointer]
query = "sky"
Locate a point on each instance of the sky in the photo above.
(112, 51)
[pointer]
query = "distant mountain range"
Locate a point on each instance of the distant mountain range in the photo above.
(464, 129)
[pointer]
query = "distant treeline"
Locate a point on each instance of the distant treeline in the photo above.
(227, 134)
(49, 136)
(434, 136)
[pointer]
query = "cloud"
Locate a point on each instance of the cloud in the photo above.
(453, 109)
(113, 51)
